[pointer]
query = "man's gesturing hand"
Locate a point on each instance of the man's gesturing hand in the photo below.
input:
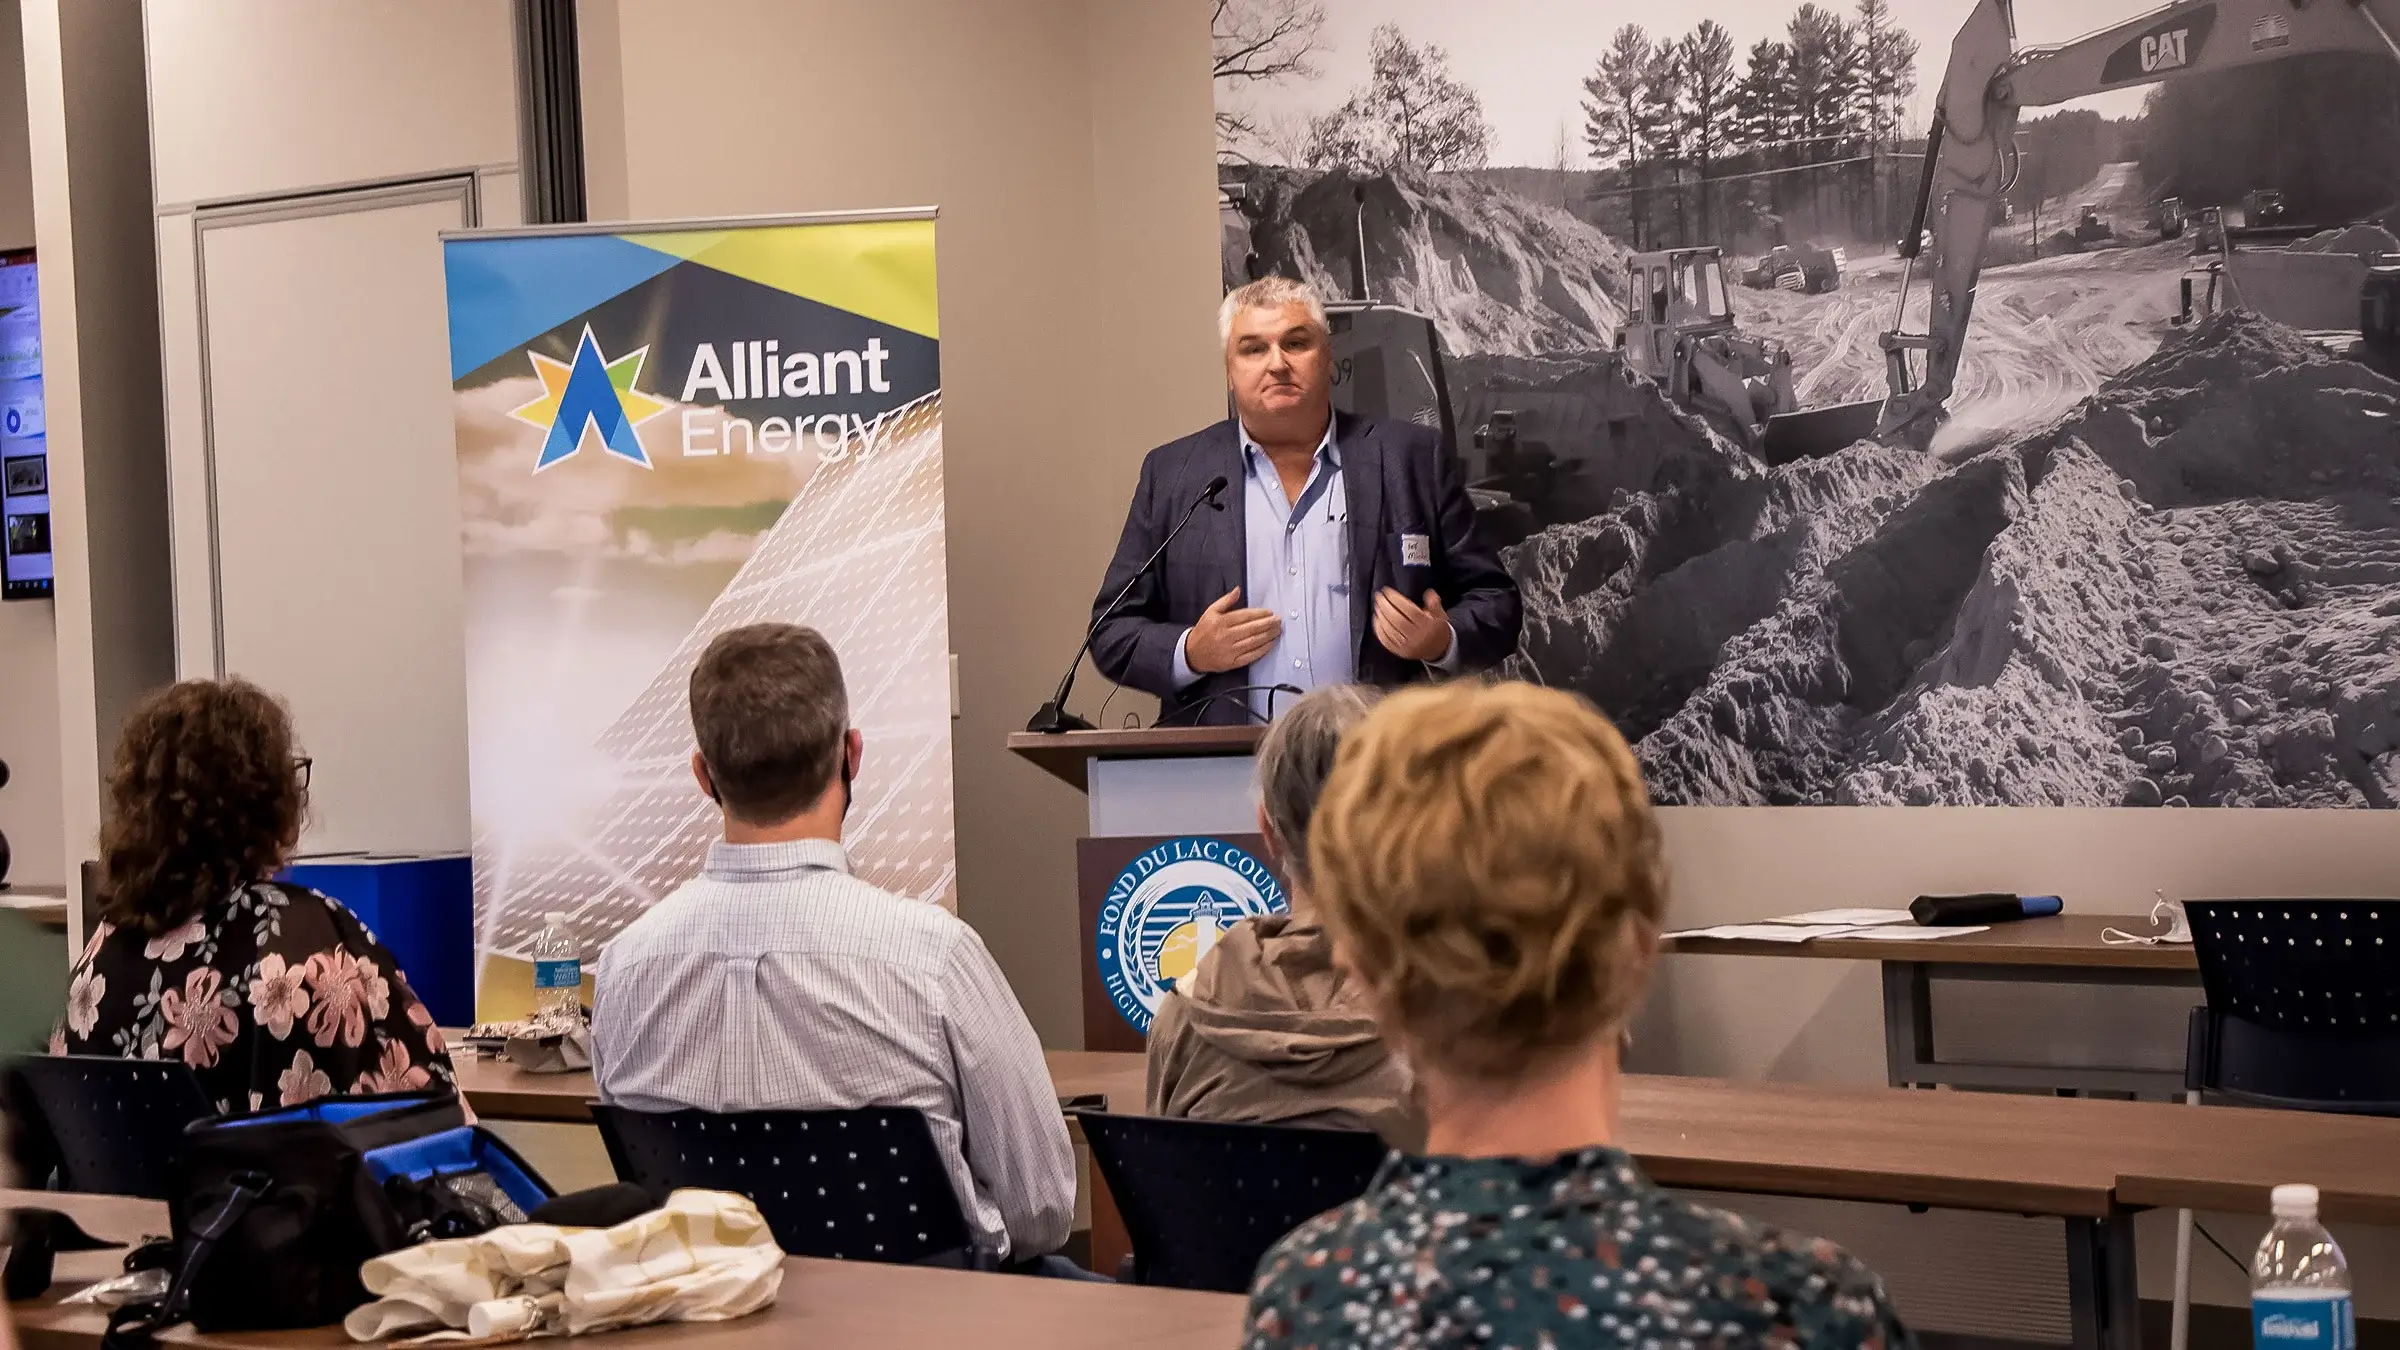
(1226, 638)
(1409, 631)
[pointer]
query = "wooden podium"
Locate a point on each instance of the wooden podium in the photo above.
(1147, 788)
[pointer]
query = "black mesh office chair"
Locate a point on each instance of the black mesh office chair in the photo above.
(1203, 1201)
(116, 1125)
(2303, 1004)
(862, 1185)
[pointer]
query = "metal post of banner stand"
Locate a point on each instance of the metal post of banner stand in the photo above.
(618, 227)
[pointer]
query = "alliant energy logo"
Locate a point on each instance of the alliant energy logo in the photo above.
(754, 369)
(590, 396)
(592, 399)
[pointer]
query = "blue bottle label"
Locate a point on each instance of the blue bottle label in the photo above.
(2301, 1321)
(567, 974)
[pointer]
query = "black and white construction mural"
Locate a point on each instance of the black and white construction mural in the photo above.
(1640, 260)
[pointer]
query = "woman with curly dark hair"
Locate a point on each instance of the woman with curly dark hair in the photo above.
(274, 994)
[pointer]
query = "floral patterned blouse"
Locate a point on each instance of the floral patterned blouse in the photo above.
(1577, 1250)
(275, 995)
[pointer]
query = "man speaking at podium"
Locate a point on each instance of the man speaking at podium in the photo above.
(1301, 546)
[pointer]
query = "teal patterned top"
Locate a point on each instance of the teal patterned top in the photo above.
(1579, 1250)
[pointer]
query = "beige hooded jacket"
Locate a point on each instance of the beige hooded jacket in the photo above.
(1271, 1032)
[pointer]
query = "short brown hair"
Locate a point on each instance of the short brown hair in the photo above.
(770, 712)
(1487, 859)
(204, 798)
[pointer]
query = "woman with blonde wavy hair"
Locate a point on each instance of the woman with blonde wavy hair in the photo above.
(1487, 863)
(272, 993)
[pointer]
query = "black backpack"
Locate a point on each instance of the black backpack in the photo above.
(277, 1210)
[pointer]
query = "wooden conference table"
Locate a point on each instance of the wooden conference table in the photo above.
(499, 1090)
(824, 1305)
(2087, 1162)
(2090, 1163)
(2061, 949)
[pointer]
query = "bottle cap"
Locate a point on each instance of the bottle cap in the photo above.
(557, 917)
(2295, 1202)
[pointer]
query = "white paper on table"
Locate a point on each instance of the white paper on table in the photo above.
(1768, 932)
(1912, 933)
(1848, 918)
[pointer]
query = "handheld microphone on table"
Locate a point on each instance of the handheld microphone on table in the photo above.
(1240, 691)
(1053, 716)
(1960, 911)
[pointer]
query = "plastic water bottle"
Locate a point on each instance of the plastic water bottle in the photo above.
(557, 971)
(2300, 1285)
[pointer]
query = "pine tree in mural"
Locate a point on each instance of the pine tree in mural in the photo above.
(1411, 114)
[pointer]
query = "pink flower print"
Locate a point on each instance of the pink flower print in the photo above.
(83, 1001)
(339, 995)
(91, 946)
(170, 946)
(376, 991)
(423, 1017)
(395, 1073)
(197, 1020)
(278, 997)
(58, 1041)
(303, 1082)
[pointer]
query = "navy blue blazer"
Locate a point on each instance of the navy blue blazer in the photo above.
(1399, 481)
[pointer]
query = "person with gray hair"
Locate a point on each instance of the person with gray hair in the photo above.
(1270, 1029)
(1343, 547)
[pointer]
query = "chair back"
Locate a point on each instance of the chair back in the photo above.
(2303, 1003)
(864, 1185)
(117, 1124)
(1203, 1200)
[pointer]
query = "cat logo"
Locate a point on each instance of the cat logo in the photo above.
(2177, 43)
(2166, 51)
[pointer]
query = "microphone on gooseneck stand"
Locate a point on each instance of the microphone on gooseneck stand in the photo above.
(1054, 717)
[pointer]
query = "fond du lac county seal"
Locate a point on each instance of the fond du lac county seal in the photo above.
(1164, 912)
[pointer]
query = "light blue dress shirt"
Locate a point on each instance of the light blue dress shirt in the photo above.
(1296, 563)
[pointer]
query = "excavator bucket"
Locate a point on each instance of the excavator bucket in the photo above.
(1818, 431)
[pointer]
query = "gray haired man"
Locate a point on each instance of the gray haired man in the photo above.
(1347, 549)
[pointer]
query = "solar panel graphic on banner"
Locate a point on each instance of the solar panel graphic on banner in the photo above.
(710, 428)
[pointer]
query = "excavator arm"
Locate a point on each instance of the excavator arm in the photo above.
(1970, 155)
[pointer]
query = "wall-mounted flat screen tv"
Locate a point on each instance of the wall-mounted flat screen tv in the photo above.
(25, 566)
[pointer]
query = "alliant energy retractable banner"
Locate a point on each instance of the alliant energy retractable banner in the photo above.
(665, 432)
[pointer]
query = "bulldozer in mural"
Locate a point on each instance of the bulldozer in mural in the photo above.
(1805, 269)
(1681, 335)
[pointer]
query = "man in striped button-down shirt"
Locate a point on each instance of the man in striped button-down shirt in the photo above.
(777, 980)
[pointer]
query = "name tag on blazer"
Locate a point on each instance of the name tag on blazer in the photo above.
(1416, 550)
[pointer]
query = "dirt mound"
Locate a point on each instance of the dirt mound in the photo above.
(2185, 592)
(1497, 273)
(2368, 241)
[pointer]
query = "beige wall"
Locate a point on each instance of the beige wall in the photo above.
(264, 262)
(16, 165)
(1068, 145)
(28, 640)
(88, 137)
(257, 98)
(29, 814)
(1818, 1021)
